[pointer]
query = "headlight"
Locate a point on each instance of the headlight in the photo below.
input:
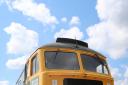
(108, 83)
(54, 82)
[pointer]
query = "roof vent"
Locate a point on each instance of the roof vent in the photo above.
(72, 41)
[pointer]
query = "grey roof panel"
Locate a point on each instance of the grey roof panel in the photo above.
(71, 46)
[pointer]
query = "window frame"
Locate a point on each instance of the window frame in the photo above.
(36, 62)
(93, 56)
(63, 51)
(26, 71)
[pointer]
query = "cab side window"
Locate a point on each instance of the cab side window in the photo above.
(26, 71)
(35, 65)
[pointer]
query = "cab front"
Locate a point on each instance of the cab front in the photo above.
(74, 67)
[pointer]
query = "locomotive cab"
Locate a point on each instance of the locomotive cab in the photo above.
(66, 62)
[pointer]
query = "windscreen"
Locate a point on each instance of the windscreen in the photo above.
(94, 64)
(61, 60)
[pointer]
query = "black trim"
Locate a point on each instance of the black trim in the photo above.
(69, 81)
(72, 41)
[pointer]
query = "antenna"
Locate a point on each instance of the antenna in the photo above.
(76, 42)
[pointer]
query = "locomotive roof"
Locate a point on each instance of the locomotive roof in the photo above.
(73, 45)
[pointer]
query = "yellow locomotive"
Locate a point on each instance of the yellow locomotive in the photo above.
(66, 62)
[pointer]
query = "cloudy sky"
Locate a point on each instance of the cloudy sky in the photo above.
(28, 24)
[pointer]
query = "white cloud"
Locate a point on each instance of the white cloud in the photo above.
(119, 77)
(30, 8)
(121, 82)
(22, 40)
(73, 33)
(116, 75)
(75, 20)
(124, 82)
(110, 34)
(16, 63)
(64, 19)
(114, 10)
(126, 73)
(4, 82)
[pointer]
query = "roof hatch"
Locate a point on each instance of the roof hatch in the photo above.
(72, 41)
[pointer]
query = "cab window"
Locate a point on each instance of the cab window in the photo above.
(26, 71)
(95, 64)
(61, 60)
(35, 65)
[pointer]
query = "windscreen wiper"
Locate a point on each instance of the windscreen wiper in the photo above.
(54, 57)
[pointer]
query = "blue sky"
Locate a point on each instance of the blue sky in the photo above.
(33, 23)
